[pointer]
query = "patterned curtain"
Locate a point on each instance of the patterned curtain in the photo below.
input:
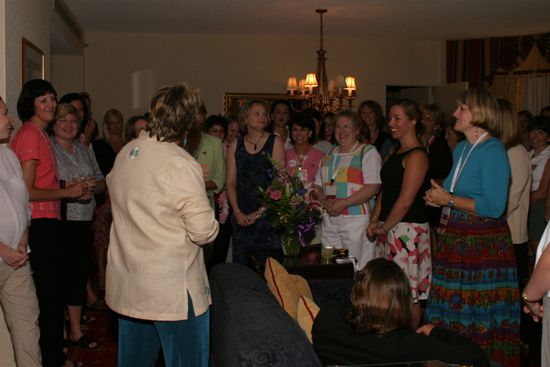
(543, 44)
(469, 61)
(476, 61)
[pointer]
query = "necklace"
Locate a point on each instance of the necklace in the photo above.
(257, 141)
(300, 158)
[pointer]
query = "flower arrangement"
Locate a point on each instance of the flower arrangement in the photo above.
(290, 207)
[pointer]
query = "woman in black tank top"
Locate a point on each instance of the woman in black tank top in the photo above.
(399, 220)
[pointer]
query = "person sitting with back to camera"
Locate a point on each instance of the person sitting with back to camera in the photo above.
(377, 328)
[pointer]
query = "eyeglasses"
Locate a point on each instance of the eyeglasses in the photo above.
(344, 127)
(215, 130)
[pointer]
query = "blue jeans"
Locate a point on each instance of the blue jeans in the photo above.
(184, 343)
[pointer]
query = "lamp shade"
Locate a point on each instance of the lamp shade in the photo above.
(350, 83)
(311, 81)
(292, 84)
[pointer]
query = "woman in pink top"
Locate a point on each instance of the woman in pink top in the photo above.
(36, 107)
(303, 157)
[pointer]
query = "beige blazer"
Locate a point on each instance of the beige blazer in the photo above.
(161, 216)
(517, 211)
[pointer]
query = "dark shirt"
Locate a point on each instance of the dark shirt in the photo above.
(392, 179)
(440, 157)
(336, 342)
(105, 156)
(441, 162)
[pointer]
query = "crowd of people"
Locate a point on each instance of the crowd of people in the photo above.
(443, 217)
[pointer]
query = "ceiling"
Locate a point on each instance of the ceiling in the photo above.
(420, 19)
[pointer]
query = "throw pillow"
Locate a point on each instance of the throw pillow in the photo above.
(307, 312)
(287, 288)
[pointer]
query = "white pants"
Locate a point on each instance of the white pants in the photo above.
(348, 232)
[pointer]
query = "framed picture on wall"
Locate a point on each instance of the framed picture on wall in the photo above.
(32, 62)
(232, 102)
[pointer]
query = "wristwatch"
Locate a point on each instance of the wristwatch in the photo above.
(451, 202)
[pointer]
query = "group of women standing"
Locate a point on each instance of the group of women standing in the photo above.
(469, 281)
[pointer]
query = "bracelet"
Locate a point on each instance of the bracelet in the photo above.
(384, 229)
(527, 300)
(347, 202)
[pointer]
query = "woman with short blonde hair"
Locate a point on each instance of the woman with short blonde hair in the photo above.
(474, 237)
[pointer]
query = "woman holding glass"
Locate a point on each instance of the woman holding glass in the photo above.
(474, 283)
(76, 162)
(346, 180)
(36, 107)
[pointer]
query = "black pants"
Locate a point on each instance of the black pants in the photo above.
(220, 246)
(77, 247)
(47, 261)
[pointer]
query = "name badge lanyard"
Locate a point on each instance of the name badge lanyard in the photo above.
(335, 168)
(446, 212)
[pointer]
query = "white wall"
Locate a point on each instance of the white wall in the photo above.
(3, 48)
(123, 70)
(67, 74)
(29, 19)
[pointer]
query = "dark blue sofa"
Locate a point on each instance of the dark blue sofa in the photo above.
(249, 328)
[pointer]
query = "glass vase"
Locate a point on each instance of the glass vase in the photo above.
(291, 245)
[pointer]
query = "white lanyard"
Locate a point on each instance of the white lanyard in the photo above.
(337, 168)
(460, 165)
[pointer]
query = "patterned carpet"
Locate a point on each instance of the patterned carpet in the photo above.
(103, 330)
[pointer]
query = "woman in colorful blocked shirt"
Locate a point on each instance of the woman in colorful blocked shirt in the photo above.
(346, 180)
(36, 106)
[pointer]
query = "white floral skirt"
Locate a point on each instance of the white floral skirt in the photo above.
(408, 245)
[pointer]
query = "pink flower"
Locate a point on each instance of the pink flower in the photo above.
(275, 195)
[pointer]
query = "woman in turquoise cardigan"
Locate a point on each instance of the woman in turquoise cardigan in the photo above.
(474, 282)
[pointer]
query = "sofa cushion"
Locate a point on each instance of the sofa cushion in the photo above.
(248, 327)
(287, 288)
(307, 312)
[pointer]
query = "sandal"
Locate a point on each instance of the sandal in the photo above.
(88, 317)
(85, 342)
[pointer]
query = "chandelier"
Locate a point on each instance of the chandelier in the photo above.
(321, 93)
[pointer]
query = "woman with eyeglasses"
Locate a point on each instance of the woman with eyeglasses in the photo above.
(346, 180)
(76, 162)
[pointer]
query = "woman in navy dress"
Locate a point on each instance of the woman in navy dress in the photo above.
(248, 169)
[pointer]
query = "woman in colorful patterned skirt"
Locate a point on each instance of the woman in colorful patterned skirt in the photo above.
(474, 283)
(400, 219)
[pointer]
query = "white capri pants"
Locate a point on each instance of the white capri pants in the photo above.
(348, 232)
